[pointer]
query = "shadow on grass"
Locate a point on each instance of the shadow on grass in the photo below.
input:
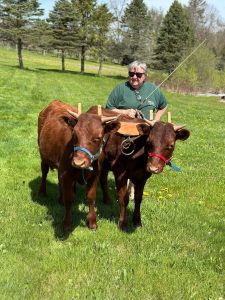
(39, 70)
(56, 211)
(83, 74)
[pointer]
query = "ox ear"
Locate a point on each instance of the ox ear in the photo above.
(70, 121)
(182, 134)
(111, 127)
(143, 129)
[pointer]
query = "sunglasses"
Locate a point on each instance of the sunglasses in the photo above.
(139, 75)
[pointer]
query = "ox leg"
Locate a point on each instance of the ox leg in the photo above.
(68, 195)
(44, 171)
(60, 200)
(104, 185)
(138, 194)
(123, 198)
(91, 196)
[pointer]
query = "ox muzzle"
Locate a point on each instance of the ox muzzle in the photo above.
(85, 162)
(157, 167)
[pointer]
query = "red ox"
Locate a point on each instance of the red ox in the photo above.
(72, 144)
(139, 149)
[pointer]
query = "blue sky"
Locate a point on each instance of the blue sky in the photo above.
(163, 4)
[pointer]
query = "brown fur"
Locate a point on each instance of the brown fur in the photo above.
(138, 166)
(58, 133)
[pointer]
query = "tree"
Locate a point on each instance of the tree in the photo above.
(175, 38)
(116, 46)
(137, 33)
(17, 18)
(196, 10)
(103, 19)
(84, 11)
(41, 37)
(198, 72)
(62, 24)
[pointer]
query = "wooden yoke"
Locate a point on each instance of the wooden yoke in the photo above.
(79, 108)
(99, 110)
(169, 117)
(127, 128)
(151, 117)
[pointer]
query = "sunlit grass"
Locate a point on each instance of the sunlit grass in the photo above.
(178, 254)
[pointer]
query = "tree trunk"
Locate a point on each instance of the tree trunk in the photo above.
(82, 59)
(19, 51)
(63, 59)
(100, 66)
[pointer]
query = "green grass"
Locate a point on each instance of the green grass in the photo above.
(179, 253)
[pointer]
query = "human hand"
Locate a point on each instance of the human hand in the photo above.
(130, 112)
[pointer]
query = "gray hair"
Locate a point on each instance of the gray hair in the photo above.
(136, 64)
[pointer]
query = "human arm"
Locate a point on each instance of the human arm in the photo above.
(159, 113)
(129, 112)
(115, 102)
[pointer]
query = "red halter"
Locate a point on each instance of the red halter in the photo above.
(166, 161)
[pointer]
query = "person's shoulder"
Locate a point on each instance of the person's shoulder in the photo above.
(120, 85)
(149, 84)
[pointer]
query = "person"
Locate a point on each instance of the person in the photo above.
(137, 94)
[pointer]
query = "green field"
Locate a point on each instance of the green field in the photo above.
(179, 253)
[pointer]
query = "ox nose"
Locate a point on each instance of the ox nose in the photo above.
(80, 163)
(153, 169)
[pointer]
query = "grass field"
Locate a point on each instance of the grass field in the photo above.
(179, 253)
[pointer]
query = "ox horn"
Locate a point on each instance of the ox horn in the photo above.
(178, 127)
(75, 115)
(108, 119)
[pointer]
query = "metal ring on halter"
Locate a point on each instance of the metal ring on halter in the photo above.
(126, 144)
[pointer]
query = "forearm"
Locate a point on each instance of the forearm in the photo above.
(159, 113)
(129, 112)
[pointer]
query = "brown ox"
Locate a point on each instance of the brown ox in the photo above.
(146, 153)
(72, 146)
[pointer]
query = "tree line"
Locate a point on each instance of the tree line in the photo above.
(121, 32)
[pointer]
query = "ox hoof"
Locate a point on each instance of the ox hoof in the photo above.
(123, 226)
(67, 228)
(93, 227)
(42, 193)
(137, 224)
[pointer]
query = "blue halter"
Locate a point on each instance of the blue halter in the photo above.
(92, 157)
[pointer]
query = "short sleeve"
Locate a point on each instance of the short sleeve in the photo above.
(112, 99)
(162, 102)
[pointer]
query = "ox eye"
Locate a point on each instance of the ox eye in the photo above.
(96, 140)
(170, 147)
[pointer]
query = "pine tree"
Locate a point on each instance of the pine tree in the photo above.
(137, 33)
(103, 19)
(17, 18)
(62, 23)
(175, 38)
(84, 11)
(196, 10)
(41, 37)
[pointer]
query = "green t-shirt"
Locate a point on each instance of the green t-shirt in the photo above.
(123, 97)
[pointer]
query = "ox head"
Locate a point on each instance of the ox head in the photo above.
(88, 137)
(160, 144)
